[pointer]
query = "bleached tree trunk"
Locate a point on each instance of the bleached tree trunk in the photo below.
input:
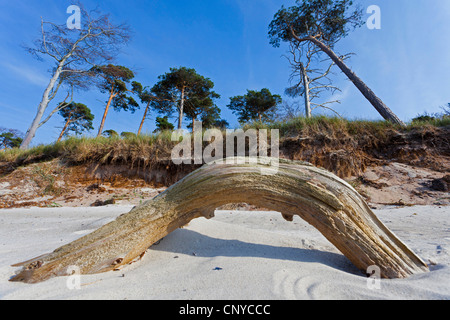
(181, 109)
(306, 88)
(50, 90)
(294, 188)
(74, 53)
(376, 102)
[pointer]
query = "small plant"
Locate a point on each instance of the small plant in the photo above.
(436, 119)
(54, 205)
(45, 180)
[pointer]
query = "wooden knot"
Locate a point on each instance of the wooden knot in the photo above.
(35, 265)
(117, 261)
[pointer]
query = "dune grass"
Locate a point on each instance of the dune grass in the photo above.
(297, 125)
(148, 149)
(99, 149)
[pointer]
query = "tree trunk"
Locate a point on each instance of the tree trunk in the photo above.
(143, 119)
(382, 109)
(295, 188)
(181, 111)
(31, 132)
(102, 124)
(193, 125)
(64, 130)
(306, 87)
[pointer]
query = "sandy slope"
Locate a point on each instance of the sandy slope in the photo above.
(52, 184)
(237, 255)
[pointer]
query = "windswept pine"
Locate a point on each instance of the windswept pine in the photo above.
(324, 23)
(73, 55)
(318, 189)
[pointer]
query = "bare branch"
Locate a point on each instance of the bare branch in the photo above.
(59, 107)
(328, 108)
(74, 53)
(305, 60)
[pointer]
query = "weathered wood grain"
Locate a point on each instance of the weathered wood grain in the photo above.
(295, 188)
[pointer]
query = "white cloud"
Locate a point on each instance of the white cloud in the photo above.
(27, 73)
(341, 95)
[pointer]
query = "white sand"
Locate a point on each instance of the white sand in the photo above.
(237, 255)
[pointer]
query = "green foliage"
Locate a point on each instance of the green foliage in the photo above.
(9, 139)
(326, 20)
(183, 85)
(97, 150)
(44, 178)
(254, 105)
(163, 124)
(424, 118)
(113, 79)
(324, 124)
(200, 102)
(144, 94)
(436, 119)
(125, 103)
(446, 110)
(211, 119)
(78, 117)
(128, 135)
(102, 150)
(110, 133)
(170, 86)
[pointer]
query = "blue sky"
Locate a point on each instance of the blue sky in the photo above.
(406, 63)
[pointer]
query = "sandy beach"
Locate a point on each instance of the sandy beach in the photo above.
(236, 255)
(224, 151)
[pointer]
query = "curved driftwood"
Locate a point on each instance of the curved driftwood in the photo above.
(296, 188)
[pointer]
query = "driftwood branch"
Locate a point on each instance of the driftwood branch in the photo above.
(294, 188)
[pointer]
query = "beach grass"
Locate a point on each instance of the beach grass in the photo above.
(150, 148)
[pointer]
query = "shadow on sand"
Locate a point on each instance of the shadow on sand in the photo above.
(184, 241)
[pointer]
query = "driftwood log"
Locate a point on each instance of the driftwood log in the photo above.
(296, 188)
